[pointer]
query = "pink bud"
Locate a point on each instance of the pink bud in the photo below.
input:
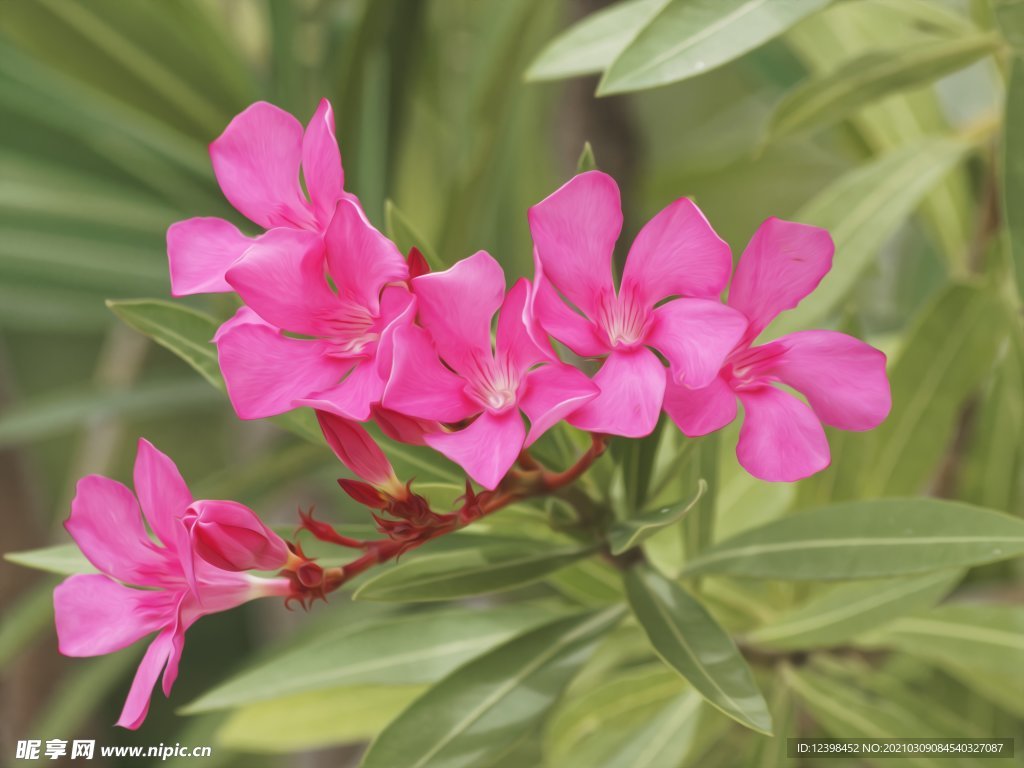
(404, 429)
(357, 451)
(230, 536)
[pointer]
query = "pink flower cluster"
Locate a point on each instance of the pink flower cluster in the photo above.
(335, 318)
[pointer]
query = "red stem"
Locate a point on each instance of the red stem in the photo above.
(535, 480)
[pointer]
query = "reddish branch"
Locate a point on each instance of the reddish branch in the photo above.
(410, 523)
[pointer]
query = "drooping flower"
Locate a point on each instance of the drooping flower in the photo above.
(446, 369)
(342, 314)
(257, 161)
(99, 613)
(667, 300)
(842, 378)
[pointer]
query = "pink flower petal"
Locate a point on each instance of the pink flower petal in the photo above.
(552, 392)
(161, 490)
(696, 335)
(256, 161)
(95, 615)
(513, 341)
(632, 384)
(574, 232)
(404, 429)
(456, 307)
(487, 448)
(136, 706)
(420, 386)
(353, 396)
(106, 524)
(569, 327)
(360, 259)
(781, 439)
(199, 252)
(782, 264)
(700, 411)
(281, 278)
(677, 253)
(321, 163)
(842, 377)
(173, 661)
(395, 314)
(265, 372)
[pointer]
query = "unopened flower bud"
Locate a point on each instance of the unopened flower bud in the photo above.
(231, 536)
(357, 451)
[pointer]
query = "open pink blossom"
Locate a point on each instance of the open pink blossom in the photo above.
(98, 614)
(449, 371)
(306, 336)
(667, 300)
(843, 378)
(257, 161)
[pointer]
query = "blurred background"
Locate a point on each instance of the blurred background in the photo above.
(106, 110)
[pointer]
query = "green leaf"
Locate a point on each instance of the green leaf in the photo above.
(186, 332)
(590, 45)
(1012, 175)
(641, 717)
(861, 210)
(64, 559)
(946, 356)
(406, 236)
(587, 161)
(846, 712)
(993, 471)
(848, 610)
(417, 648)
(699, 527)
(981, 645)
(626, 534)
(690, 37)
(581, 729)
(588, 582)
(482, 709)
(827, 99)
(474, 570)
(663, 740)
(316, 719)
(867, 539)
(689, 640)
(53, 414)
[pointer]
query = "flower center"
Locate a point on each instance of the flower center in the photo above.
(750, 367)
(623, 319)
(352, 330)
(495, 387)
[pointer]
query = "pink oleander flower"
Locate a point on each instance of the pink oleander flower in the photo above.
(843, 379)
(257, 161)
(667, 301)
(447, 369)
(339, 292)
(99, 613)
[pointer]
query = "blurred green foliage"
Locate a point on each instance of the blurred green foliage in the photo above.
(895, 123)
